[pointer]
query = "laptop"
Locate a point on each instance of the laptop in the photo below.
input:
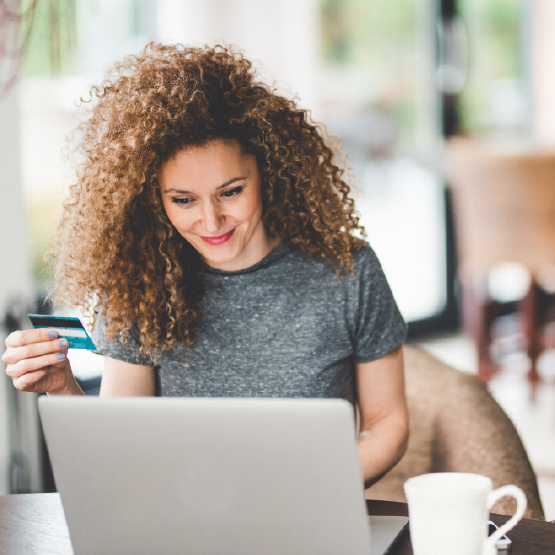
(208, 476)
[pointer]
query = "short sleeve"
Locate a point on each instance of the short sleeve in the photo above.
(114, 348)
(376, 325)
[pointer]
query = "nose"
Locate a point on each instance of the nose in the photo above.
(212, 218)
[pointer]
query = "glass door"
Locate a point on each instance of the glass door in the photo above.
(378, 95)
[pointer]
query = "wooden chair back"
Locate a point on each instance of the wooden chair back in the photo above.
(504, 205)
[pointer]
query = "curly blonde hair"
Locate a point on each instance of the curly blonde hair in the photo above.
(118, 252)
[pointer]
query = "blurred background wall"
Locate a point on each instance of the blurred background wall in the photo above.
(391, 79)
(542, 47)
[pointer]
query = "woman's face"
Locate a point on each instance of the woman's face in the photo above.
(212, 196)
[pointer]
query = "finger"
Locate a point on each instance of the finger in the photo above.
(30, 381)
(15, 354)
(42, 381)
(27, 365)
(25, 337)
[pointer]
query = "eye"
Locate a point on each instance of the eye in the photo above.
(181, 201)
(232, 193)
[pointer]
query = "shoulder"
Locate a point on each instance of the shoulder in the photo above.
(365, 256)
(367, 264)
(369, 280)
(125, 347)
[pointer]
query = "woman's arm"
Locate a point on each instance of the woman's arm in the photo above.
(383, 414)
(121, 379)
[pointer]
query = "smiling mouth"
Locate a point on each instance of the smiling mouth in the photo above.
(220, 239)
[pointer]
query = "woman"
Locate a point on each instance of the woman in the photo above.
(212, 235)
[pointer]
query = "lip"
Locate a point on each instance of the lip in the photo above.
(220, 239)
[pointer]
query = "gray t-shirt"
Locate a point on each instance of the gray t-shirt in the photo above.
(285, 327)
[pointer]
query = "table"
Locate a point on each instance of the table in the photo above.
(34, 524)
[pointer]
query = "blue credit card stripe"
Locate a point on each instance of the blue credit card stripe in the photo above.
(81, 343)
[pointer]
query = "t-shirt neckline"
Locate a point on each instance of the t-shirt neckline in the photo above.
(271, 257)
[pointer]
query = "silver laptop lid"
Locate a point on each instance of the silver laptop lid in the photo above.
(207, 476)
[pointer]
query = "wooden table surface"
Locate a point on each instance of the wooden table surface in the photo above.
(34, 524)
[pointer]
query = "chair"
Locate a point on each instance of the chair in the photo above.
(457, 426)
(504, 211)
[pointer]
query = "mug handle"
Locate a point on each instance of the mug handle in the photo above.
(521, 505)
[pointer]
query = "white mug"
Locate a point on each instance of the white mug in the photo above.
(449, 513)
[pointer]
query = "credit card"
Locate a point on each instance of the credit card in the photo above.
(67, 327)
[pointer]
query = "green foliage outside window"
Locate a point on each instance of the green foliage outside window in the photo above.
(496, 30)
(52, 46)
(365, 32)
(379, 37)
(376, 38)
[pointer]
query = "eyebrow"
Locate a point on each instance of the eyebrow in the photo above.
(183, 192)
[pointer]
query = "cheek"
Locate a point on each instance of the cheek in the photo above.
(179, 218)
(251, 208)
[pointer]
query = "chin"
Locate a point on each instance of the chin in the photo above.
(217, 255)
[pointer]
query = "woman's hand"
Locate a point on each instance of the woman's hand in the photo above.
(36, 361)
